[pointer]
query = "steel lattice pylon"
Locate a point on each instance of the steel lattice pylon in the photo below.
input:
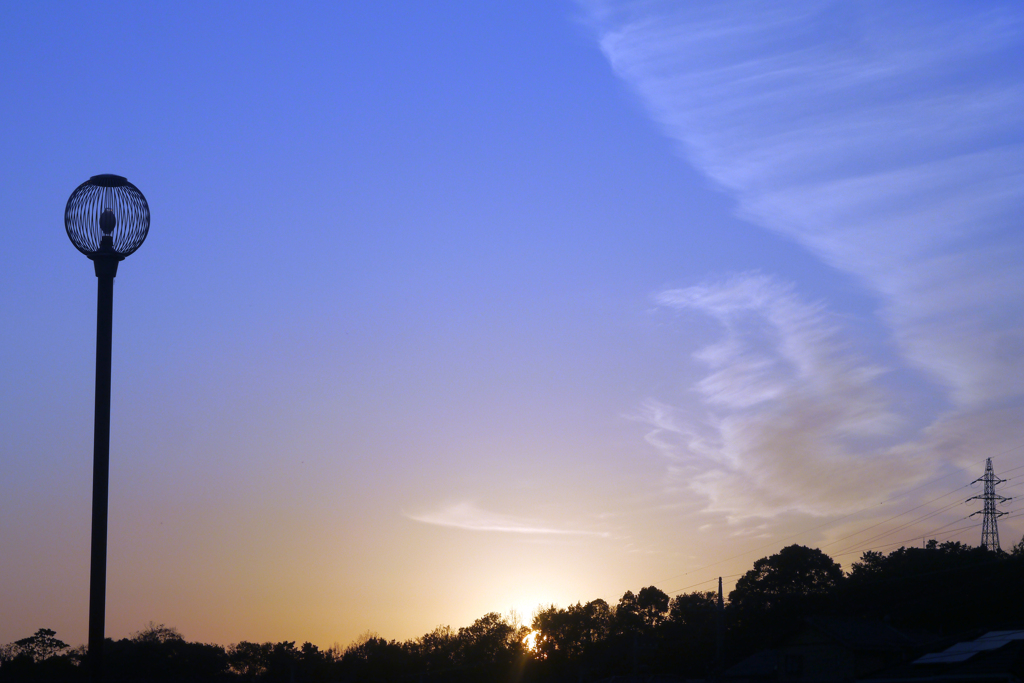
(989, 527)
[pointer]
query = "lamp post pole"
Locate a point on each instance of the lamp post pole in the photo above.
(105, 270)
(107, 218)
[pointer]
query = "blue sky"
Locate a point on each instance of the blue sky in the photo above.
(447, 310)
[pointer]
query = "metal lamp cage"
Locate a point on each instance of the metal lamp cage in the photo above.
(89, 201)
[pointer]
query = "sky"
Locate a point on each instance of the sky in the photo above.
(452, 308)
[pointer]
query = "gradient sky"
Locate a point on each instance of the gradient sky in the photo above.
(449, 308)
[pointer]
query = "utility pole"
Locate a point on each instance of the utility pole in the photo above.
(719, 624)
(989, 498)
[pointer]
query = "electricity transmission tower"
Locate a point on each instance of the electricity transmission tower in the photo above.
(989, 528)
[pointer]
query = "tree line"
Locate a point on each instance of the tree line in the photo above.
(945, 588)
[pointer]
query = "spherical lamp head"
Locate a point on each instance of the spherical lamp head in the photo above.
(107, 216)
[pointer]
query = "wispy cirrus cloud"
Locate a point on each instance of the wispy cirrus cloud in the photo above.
(470, 517)
(789, 404)
(885, 139)
(888, 140)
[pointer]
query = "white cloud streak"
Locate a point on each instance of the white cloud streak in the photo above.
(468, 516)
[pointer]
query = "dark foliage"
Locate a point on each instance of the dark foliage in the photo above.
(944, 588)
(691, 636)
(161, 654)
(772, 598)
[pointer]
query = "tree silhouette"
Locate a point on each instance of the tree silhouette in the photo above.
(157, 633)
(439, 649)
(40, 657)
(572, 639)
(694, 610)
(795, 571)
(41, 645)
(642, 613)
(377, 659)
(781, 590)
(944, 587)
(491, 640)
(691, 633)
(249, 660)
(160, 653)
(1018, 550)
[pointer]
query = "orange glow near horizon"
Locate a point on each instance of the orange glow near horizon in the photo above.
(593, 310)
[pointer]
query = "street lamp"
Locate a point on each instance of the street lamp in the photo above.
(107, 219)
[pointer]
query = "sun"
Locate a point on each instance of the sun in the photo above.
(530, 641)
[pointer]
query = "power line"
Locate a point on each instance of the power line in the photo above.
(901, 526)
(684, 588)
(833, 522)
(851, 549)
(927, 502)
